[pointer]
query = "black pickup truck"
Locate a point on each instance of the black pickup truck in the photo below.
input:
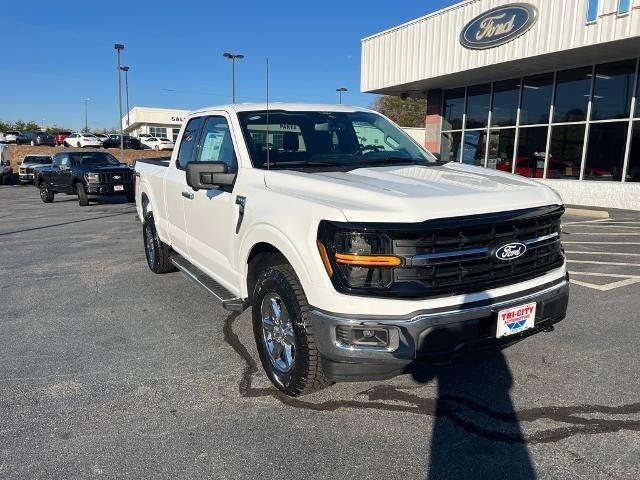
(85, 174)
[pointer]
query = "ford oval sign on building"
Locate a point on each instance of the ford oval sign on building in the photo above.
(498, 26)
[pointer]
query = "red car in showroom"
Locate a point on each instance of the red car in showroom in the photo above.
(61, 136)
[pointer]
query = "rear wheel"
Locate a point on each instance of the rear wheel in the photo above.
(83, 198)
(65, 144)
(45, 194)
(156, 251)
(156, 148)
(78, 145)
(283, 332)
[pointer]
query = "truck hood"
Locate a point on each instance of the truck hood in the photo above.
(413, 193)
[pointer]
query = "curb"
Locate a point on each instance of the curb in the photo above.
(583, 212)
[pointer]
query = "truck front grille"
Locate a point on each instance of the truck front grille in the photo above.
(110, 177)
(455, 256)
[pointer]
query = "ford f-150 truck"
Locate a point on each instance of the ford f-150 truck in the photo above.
(356, 250)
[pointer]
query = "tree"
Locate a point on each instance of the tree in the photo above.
(411, 112)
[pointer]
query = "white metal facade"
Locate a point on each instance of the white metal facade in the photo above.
(426, 53)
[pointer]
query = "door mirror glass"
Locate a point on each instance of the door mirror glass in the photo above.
(207, 175)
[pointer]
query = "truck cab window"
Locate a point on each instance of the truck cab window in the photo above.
(189, 142)
(216, 144)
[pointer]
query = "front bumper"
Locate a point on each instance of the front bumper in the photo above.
(108, 188)
(431, 336)
(26, 177)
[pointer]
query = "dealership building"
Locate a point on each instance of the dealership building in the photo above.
(547, 89)
(157, 122)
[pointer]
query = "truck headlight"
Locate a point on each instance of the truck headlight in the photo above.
(92, 177)
(356, 259)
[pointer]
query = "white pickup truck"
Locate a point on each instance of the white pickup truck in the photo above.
(358, 252)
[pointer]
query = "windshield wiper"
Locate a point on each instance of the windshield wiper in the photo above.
(375, 161)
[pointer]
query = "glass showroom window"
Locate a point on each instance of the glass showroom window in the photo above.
(474, 147)
(637, 111)
(605, 151)
(505, 103)
(453, 109)
(536, 99)
(478, 97)
(633, 170)
(572, 95)
(592, 10)
(532, 145)
(565, 151)
(624, 6)
(613, 90)
(501, 143)
(450, 146)
(158, 132)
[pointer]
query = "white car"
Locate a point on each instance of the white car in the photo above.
(81, 140)
(12, 136)
(157, 143)
(356, 250)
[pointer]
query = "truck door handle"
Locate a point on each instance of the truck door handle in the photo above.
(188, 195)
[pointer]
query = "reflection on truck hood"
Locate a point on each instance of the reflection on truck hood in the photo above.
(411, 193)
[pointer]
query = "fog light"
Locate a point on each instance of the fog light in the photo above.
(362, 337)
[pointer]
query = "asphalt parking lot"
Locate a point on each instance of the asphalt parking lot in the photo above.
(107, 370)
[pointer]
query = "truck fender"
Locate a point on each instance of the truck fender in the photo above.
(265, 233)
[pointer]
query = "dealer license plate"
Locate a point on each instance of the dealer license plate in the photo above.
(516, 319)
(118, 188)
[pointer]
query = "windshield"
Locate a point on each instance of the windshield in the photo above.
(295, 140)
(94, 158)
(37, 159)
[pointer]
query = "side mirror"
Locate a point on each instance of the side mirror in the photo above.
(206, 175)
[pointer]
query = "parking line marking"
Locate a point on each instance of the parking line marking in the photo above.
(602, 233)
(606, 253)
(607, 226)
(600, 274)
(602, 243)
(600, 220)
(616, 264)
(607, 286)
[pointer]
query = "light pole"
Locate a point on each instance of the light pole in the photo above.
(86, 117)
(119, 47)
(340, 90)
(233, 57)
(125, 69)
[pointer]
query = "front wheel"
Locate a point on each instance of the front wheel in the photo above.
(78, 145)
(156, 148)
(45, 194)
(83, 198)
(283, 332)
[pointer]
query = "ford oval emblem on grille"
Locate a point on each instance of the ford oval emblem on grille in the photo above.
(117, 177)
(511, 251)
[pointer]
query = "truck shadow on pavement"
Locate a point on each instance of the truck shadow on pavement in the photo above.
(477, 431)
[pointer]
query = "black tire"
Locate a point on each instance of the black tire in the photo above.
(156, 251)
(306, 374)
(156, 148)
(65, 144)
(83, 198)
(46, 195)
(78, 145)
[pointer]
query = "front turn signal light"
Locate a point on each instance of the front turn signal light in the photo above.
(325, 258)
(368, 260)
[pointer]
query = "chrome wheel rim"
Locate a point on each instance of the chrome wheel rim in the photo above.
(277, 333)
(150, 245)
(43, 191)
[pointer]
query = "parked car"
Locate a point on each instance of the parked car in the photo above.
(36, 138)
(6, 172)
(86, 175)
(12, 136)
(61, 136)
(1, 137)
(157, 143)
(101, 136)
(25, 169)
(128, 142)
(81, 140)
(355, 259)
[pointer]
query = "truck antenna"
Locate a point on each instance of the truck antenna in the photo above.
(267, 135)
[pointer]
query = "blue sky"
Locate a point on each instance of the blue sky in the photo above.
(56, 54)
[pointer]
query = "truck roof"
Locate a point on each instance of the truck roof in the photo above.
(294, 107)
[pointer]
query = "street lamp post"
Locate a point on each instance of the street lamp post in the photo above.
(233, 57)
(119, 47)
(340, 90)
(125, 69)
(86, 117)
